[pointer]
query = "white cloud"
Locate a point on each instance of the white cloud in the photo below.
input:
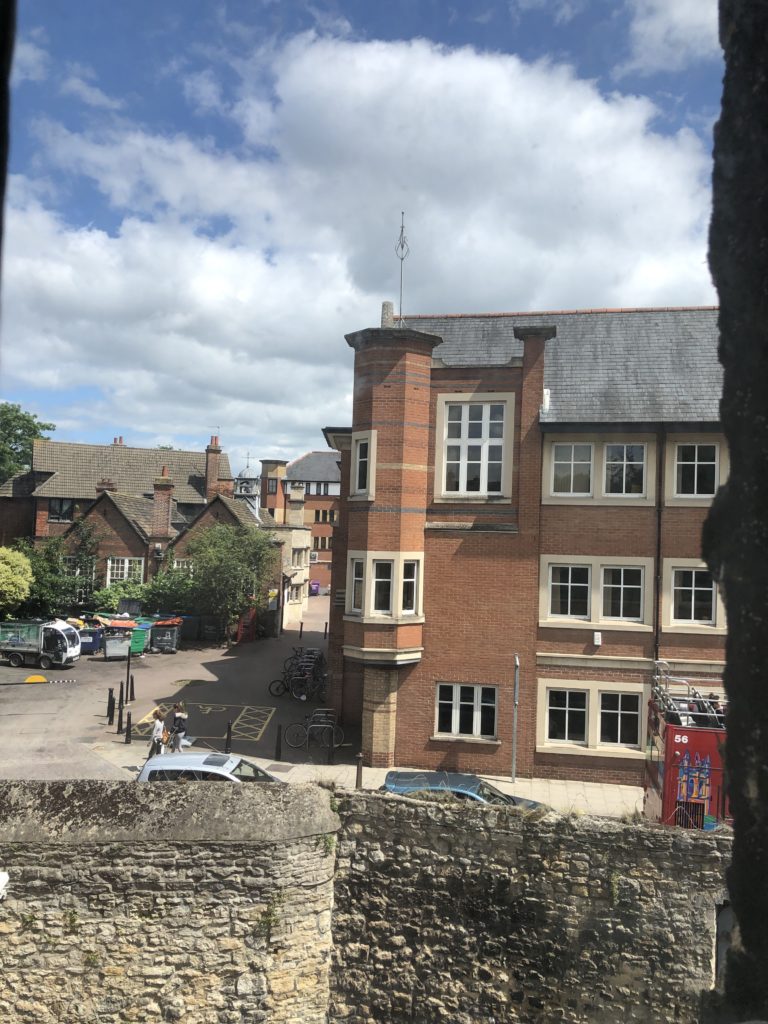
(561, 11)
(30, 62)
(524, 188)
(668, 35)
(91, 95)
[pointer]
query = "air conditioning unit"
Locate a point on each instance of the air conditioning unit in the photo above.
(313, 556)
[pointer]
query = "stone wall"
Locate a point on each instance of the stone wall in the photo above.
(213, 904)
(203, 903)
(477, 914)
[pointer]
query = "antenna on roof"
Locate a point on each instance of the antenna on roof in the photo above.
(402, 249)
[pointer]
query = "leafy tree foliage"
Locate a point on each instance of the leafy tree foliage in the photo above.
(52, 591)
(18, 429)
(108, 598)
(232, 569)
(172, 590)
(15, 580)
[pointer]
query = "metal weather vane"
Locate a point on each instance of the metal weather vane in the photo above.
(402, 249)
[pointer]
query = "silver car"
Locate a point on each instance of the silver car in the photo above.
(202, 767)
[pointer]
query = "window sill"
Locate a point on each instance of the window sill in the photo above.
(596, 627)
(472, 499)
(695, 629)
(384, 620)
(449, 738)
(589, 500)
(569, 750)
(360, 497)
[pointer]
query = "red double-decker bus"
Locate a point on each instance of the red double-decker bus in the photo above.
(684, 779)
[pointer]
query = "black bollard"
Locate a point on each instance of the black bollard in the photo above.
(110, 698)
(279, 743)
(228, 741)
(120, 720)
(359, 772)
(325, 631)
(301, 629)
(120, 701)
(128, 728)
(111, 708)
(131, 690)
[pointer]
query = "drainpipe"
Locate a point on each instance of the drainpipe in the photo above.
(514, 718)
(661, 455)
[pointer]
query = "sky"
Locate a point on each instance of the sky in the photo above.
(204, 197)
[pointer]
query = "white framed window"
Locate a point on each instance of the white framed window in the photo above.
(385, 583)
(358, 581)
(382, 586)
(693, 596)
(362, 486)
(567, 716)
(61, 510)
(624, 469)
(322, 543)
(410, 586)
(271, 485)
(569, 590)
(119, 569)
(572, 469)
(690, 598)
(595, 592)
(473, 452)
(468, 710)
(294, 593)
(589, 717)
(696, 469)
(622, 588)
(620, 719)
(183, 563)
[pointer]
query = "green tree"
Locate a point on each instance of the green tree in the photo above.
(53, 590)
(15, 580)
(172, 590)
(108, 598)
(18, 429)
(232, 569)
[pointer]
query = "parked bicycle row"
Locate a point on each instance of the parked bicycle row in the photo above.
(304, 676)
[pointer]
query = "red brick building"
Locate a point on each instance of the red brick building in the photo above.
(525, 491)
(319, 475)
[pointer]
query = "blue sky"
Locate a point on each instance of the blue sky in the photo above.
(204, 197)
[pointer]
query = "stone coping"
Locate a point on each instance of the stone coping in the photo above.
(77, 812)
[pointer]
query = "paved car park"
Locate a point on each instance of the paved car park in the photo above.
(58, 730)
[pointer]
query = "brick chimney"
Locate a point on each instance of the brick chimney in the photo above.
(161, 505)
(105, 484)
(294, 513)
(212, 457)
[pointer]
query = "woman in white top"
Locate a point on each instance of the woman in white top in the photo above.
(158, 727)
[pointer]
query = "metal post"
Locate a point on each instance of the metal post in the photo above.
(359, 771)
(120, 701)
(228, 740)
(279, 743)
(325, 631)
(110, 698)
(301, 629)
(128, 729)
(111, 708)
(514, 718)
(128, 672)
(120, 720)
(131, 690)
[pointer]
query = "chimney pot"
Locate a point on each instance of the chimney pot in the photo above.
(387, 314)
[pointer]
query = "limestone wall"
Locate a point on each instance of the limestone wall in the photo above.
(206, 903)
(216, 904)
(475, 915)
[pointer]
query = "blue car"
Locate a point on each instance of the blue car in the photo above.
(458, 784)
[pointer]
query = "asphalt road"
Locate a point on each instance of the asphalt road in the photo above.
(57, 729)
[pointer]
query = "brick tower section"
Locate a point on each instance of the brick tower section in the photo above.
(392, 399)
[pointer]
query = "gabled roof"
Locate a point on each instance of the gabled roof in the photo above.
(74, 470)
(138, 512)
(603, 365)
(317, 466)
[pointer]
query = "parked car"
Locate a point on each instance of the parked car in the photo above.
(202, 767)
(457, 784)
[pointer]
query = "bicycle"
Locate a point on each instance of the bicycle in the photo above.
(320, 726)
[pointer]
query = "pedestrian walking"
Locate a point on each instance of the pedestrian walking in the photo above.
(158, 727)
(178, 727)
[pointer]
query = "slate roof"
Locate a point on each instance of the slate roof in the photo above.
(605, 365)
(317, 466)
(138, 512)
(75, 469)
